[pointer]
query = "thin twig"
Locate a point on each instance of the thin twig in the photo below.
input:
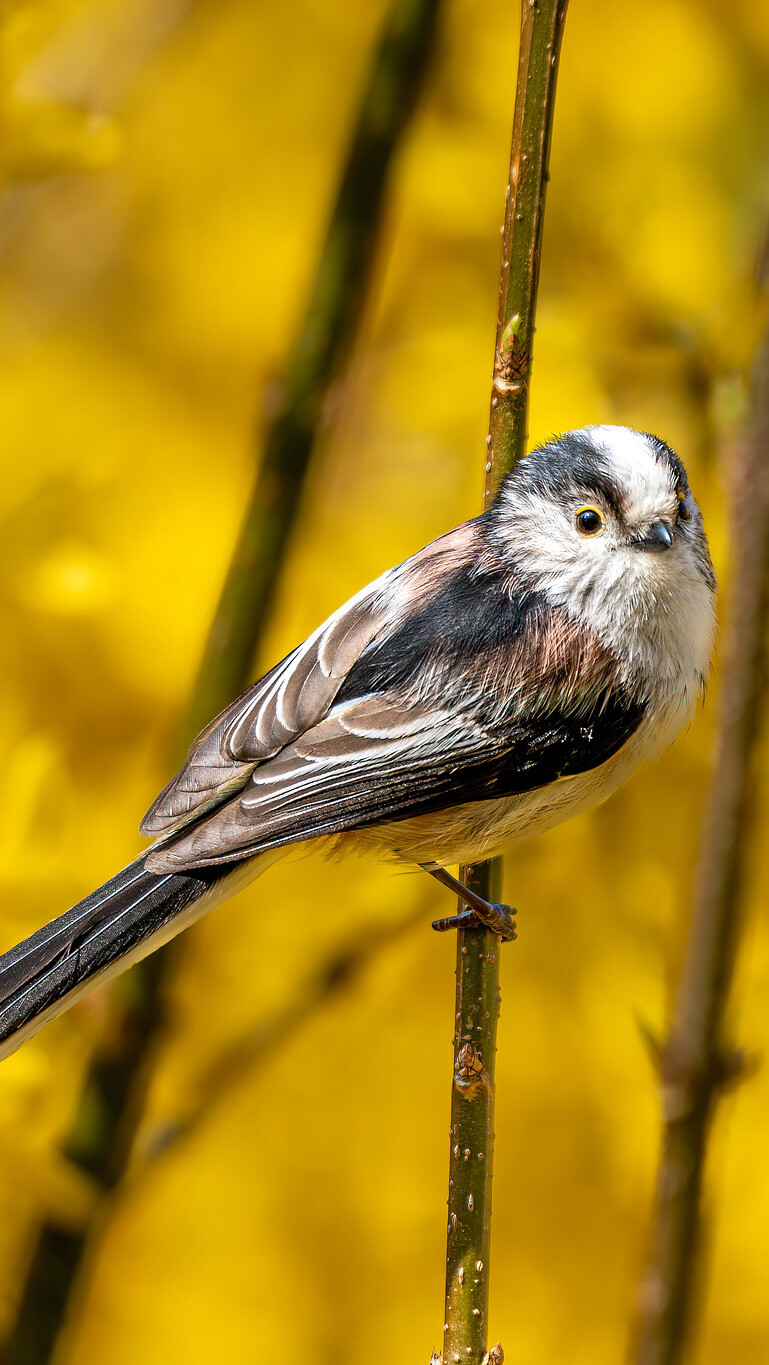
(542, 25)
(699, 1060)
(112, 1103)
(472, 1132)
(478, 950)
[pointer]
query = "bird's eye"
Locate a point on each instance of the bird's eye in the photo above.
(590, 522)
(684, 510)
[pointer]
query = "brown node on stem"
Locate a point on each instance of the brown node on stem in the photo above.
(511, 363)
(470, 1075)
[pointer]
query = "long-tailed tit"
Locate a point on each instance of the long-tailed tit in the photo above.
(513, 672)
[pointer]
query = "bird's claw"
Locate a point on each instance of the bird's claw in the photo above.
(480, 913)
(498, 918)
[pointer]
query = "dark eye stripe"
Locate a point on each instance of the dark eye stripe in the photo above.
(570, 468)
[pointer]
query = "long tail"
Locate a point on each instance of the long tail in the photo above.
(127, 918)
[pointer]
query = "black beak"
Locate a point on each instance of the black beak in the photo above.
(658, 537)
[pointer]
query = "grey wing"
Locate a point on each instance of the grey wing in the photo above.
(298, 692)
(368, 760)
(385, 757)
(291, 698)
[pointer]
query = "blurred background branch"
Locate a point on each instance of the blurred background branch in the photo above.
(115, 1087)
(699, 1061)
(326, 336)
(476, 1008)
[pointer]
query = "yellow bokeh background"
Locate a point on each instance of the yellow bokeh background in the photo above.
(167, 170)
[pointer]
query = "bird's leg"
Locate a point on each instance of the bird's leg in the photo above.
(498, 918)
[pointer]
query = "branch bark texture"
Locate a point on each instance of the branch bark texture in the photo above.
(472, 1131)
(542, 24)
(104, 1130)
(465, 1334)
(699, 1060)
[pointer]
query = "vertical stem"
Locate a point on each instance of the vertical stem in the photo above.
(698, 1059)
(542, 24)
(477, 989)
(472, 1131)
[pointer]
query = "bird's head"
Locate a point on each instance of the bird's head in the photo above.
(603, 521)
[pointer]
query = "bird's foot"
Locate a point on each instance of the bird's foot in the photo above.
(498, 918)
(480, 913)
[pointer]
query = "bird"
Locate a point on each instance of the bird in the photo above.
(515, 671)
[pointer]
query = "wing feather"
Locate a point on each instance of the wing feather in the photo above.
(356, 769)
(296, 694)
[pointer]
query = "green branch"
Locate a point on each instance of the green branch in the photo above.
(699, 1061)
(542, 23)
(472, 1131)
(112, 1103)
(478, 950)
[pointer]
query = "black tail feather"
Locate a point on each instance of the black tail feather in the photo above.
(124, 920)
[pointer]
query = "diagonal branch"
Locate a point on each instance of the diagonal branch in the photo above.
(698, 1060)
(113, 1098)
(323, 344)
(478, 950)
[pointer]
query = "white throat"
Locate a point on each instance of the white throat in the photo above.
(654, 611)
